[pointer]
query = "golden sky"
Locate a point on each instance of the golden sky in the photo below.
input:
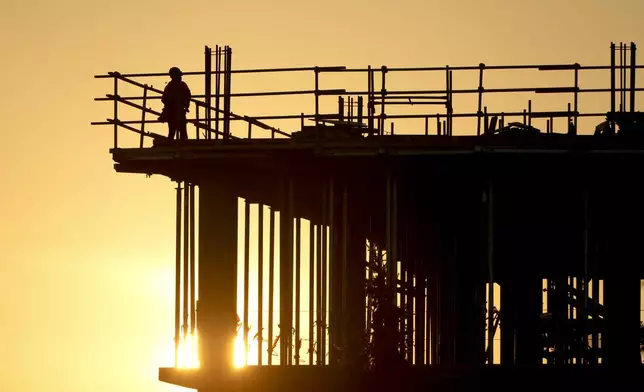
(87, 255)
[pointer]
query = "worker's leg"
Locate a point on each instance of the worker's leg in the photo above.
(171, 129)
(183, 131)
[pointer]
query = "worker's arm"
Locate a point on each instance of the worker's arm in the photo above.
(164, 97)
(188, 95)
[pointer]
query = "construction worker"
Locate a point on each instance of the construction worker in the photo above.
(176, 101)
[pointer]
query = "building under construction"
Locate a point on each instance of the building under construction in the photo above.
(508, 250)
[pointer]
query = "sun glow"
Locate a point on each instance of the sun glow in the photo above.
(239, 360)
(188, 353)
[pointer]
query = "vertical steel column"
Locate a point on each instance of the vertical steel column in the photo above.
(312, 230)
(410, 304)
(208, 90)
(612, 87)
(217, 94)
(246, 276)
(582, 310)
(596, 322)
(271, 282)
(227, 89)
(193, 300)
(324, 282)
(333, 311)
(318, 285)
(576, 97)
(490, 266)
(177, 292)
(116, 110)
(260, 282)
(144, 104)
(390, 276)
(623, 69)
(345, 269)
(371, 110)
(186, 256)
(316, 72)
(633, 68)
(286, 274)
(394, 234)
(298, 233)
(480, 99)
(383, 94)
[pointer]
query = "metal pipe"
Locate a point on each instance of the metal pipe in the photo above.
(271, 282)
(145, 94)
(576, 96)
(480, 99)
(298, 233)
(227, 88)
(370, 107)
(624, 70)
(426, 126)
(193, 300)
(186, 257)
(217, 90)
(246, 276)
(332, 289)
(116, 110)
(633, 68)
(383, 94)
(392, 94)
(311, 289)
(324, 277)
(197, 122)
(260, 282)
(208, 85)
(490, 265)
(177, 292)
(541, 67)
(390, 116)
(390, 276)
(530, 112)
(318, 285)
(317, 104)
(394, 229)
(612, 87)
(345, 267)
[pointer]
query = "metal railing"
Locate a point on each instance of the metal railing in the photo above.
(380, 103)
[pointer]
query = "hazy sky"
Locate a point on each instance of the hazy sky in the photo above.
(87, 255)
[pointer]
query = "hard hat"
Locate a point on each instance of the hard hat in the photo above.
(175, 71)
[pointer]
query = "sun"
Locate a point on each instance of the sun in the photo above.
(239, 360)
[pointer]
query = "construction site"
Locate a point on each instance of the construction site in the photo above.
(410, 236)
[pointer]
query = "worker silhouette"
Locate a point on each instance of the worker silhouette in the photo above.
(176, 101)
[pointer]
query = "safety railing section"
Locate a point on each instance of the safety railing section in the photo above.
(387, 99)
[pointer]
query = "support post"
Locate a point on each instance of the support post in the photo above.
(260, 282)
(271, 282)
(217, 275)
(186, 257)
(177, 292)
(286, 273)
(246, 277)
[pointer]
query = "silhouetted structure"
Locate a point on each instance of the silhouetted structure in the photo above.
(433, 218)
